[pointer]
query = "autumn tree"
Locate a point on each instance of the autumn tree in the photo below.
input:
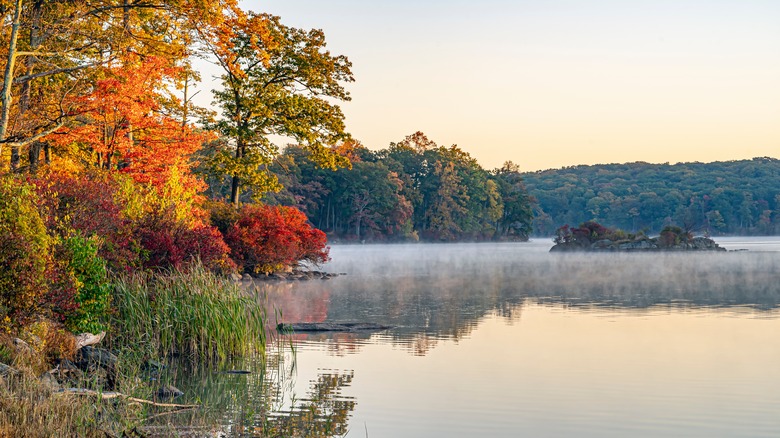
(55, 50)
(121, 125)
(277, 81)
(446, 211)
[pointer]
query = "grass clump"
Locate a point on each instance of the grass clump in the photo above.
(195, 314)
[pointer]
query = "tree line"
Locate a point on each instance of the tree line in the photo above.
(732, 197)
(412, 190)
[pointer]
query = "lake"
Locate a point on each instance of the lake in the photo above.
(507, 340)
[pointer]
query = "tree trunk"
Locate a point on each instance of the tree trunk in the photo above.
(14, 159)
(8, 76)
(236, 180)
(234, 192)
(35, 156)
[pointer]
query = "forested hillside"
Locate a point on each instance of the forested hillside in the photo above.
(732, 197)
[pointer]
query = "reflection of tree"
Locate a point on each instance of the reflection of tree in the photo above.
(422, 343)
(251, 405)
(293, 304)
(441, 294)
(324, 413)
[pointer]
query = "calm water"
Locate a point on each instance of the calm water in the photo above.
(508, 340)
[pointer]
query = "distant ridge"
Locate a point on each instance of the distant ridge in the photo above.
(722, 197)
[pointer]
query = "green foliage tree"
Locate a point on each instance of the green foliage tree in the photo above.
(413, 189)
(448, 207)
(281, 84)
(517, 212)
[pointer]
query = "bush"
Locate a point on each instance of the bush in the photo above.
(93, 291)
(266, 239)
(90, 205)
(672, 235)
(170, 244)
(24, 253)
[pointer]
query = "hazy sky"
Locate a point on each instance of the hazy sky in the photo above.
(556, 83)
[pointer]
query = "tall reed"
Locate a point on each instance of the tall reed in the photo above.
(195, 314)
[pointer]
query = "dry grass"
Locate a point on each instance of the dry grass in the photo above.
(29, 409)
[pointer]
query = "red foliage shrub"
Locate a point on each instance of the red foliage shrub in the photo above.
(170, 244)
(87, 204)
(63, 290)
(267, 239)
(595, 230)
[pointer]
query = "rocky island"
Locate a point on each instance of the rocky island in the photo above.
(592, 236)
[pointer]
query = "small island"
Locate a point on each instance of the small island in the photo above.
(592, 236)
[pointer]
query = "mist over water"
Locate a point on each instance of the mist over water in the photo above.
(520, 270)
(508, 339)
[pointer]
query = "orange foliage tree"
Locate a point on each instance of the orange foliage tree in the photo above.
(121, 123)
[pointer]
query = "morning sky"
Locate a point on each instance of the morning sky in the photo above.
(556, 83)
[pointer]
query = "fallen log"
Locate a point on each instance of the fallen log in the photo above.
(331, 327)
(113, 394)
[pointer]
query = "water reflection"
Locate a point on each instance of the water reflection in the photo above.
(259, 401)
(509, 340)
(435, 292)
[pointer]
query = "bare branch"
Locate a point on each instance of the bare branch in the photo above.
(26, 78)
(35, 137)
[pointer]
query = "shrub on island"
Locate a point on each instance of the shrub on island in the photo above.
(592, 236)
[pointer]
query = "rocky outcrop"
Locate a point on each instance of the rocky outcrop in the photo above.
(295, 275)
(640, 244)
(98, 362)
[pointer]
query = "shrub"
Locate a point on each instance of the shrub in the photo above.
(93, 291)
(24, 253)
(90, 204)
(672, 235)
(170, 244)
(265, 239)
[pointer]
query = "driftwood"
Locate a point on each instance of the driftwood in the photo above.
(113, 394)
(84, 339)
(331, 327)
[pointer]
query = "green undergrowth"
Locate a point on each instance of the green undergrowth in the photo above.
(193, 314)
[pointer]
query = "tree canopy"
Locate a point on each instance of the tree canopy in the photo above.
(414, 189)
